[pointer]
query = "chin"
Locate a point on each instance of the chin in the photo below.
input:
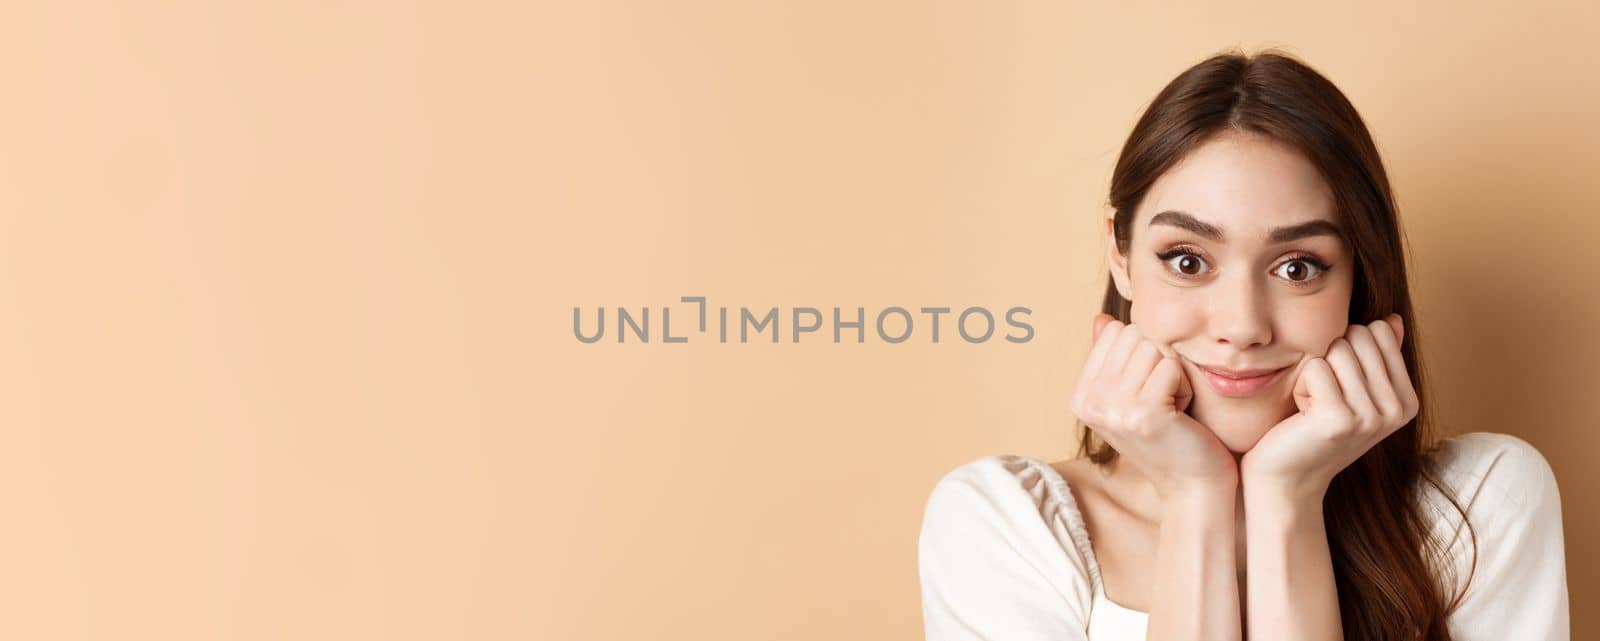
(1240, 439)
(1239, 423)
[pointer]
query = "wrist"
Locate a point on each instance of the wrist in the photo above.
(1200, 496)
(1299, 494)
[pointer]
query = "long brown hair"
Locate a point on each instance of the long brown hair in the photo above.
(1388, 570)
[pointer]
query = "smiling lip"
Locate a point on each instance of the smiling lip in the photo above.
(1239, 383)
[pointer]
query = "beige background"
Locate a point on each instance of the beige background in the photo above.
(286, 292)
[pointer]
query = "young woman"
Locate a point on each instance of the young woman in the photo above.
(1256, 456)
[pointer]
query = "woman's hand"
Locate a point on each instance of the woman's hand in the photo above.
(1133, 394)
(1349, 401)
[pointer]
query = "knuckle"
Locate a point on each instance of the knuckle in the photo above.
(1347, 428)
(1086, 406)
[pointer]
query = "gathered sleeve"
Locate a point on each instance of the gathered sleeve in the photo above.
(1518, 589)
(991, 561)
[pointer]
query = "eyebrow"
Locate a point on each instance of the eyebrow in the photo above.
(1207, 230)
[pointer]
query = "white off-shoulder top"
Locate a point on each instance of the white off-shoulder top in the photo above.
(1003, 554)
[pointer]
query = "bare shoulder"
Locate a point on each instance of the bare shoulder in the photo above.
(1077, 472)
(1114, 503)
(1087, 481)
(1122, 538)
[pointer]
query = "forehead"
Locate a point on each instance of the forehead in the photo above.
(1243, 183)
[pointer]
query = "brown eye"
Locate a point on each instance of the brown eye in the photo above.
(1296, 274)
(1187, 263)
(1302, 270)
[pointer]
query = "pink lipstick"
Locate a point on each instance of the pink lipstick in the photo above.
(1239, 383)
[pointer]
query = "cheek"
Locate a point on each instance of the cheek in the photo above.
(1326, 315)
(1167, 314)
(1315, 329)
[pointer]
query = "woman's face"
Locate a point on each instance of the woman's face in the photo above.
(1236, 263)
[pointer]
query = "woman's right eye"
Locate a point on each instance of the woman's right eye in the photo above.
(1187, 264)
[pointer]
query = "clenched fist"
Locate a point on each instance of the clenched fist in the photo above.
(1133, 393)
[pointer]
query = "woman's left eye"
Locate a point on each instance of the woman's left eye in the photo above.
(1307, 269)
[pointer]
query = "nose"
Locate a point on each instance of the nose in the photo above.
(1240, 312)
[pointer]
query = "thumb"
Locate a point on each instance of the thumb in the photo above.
(1317, 382)
(1302, 387)
(1168, 384)
(1185, 389)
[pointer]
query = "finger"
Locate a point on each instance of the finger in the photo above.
(1394, 362)
(1140, 363)
(1165, 383)
(1117, 358)
(1379, 389)
(1100, 321)
(1301, 381)
(1185, 388)
(1102, 345)
(1318, 383)
(1396, 323)
(1352, 383)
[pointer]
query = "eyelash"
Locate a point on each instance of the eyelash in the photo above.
(1185, 250)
